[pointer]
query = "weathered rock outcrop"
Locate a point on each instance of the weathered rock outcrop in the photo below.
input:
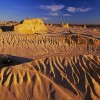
(85, 26)
(65, 25)
(31, 26)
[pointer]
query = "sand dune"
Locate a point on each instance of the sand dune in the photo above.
(52, 67)
(53, 78)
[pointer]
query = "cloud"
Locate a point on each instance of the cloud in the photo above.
(80, 9)
(53, 8)
(66, 15)
(71, 9)
(53, 14)
(44, 18)
(58, 14)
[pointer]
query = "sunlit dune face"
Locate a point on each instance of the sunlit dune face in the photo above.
(77, 74)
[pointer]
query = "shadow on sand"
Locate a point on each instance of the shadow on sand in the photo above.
(9, 60)
(7, 28)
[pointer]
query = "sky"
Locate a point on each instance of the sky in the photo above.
(52, 11)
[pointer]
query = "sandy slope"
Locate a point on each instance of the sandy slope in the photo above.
(53, 78)
(59, 67)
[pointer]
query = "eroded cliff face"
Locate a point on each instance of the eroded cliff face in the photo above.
(31, 26)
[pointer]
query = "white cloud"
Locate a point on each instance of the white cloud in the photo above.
(53, 14)
(66, 15)
(53, 8)
(80, 9)
(58, 14)
(71, 9)
(44, 18)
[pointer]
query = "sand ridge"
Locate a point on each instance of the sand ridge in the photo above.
(61, 66)
(73, 74)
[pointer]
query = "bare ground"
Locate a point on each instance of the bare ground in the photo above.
(57, 66)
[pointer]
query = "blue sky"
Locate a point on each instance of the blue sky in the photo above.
(52, 11)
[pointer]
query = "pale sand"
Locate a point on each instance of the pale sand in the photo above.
(52, 67)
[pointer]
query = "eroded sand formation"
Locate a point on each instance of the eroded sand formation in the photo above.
(57, 78)
(47, 43)
(61, 67)
(31, 26)
(65, 25)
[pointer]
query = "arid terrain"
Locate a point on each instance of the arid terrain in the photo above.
(62, 64)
